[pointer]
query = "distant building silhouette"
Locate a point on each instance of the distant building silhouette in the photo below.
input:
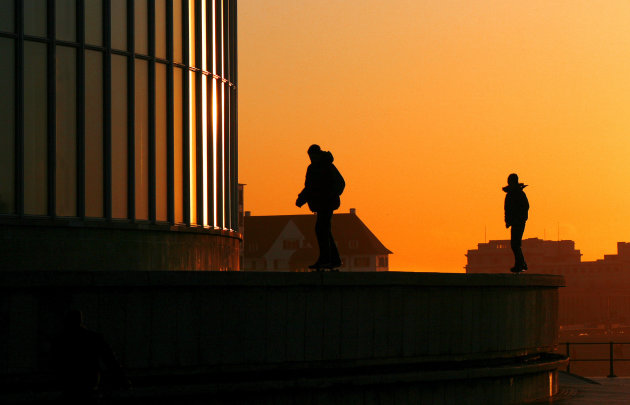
(241, 223)
(287, 243)
(597, 293)
(543, 256)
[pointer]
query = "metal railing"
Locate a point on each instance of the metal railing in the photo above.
(611, 356)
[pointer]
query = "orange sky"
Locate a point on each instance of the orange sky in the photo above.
(427, 107)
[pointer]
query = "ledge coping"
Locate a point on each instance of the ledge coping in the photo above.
(122, 278)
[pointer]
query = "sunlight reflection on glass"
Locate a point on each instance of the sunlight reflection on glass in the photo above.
(192, 150)
(204, 80)
(214, 117)
(223, 155)
(214, 149)
(204, 113)
(223, 123)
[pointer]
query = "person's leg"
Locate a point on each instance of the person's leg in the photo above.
(516, 242)
(324, 234)
(520, 239)
(335, 260)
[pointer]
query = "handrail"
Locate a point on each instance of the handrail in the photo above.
(611, 358)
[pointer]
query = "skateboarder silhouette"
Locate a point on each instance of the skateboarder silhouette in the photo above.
(322, 188)
(516, 214)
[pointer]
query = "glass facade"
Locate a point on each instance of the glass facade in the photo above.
(121, 111)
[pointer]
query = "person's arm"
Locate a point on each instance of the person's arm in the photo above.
(507, 210)
(304, 195)
(301, 199)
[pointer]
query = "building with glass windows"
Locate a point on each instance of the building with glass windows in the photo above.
(118, 136)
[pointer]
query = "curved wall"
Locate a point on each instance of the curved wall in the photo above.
(419, 337)
(121, 112)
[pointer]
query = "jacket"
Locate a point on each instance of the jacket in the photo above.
(516, 204)
(323, 184)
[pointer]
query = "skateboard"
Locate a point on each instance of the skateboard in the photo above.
(515, 271)
(326, 268)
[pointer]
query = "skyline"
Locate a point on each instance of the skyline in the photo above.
(424, 106)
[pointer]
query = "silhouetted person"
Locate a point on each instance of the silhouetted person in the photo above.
(322, 188)
(80, 359)
(516, 214)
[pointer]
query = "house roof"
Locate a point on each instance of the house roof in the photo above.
(260, 232)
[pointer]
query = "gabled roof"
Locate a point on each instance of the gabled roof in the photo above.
(261, 231)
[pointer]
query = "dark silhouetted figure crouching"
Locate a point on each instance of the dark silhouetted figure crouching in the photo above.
(322, 188)
(81, 357)
(516, 214)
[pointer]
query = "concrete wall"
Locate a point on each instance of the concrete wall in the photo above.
(75, 245)
(465, 327)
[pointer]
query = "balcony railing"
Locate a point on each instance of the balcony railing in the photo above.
(611, 356)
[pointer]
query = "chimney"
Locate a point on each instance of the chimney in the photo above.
(248, 213)
(353, 211)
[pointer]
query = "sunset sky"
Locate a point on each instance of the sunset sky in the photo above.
(427, 107)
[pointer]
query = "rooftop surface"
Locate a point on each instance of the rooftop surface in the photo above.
(575, 390)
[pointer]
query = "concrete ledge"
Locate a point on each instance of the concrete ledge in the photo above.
(192, 325)
(18, 279)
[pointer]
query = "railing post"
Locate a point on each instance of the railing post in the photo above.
(612, 371)
(569, 363)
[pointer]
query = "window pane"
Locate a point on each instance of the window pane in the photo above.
(7, 134)
(141, 139)
(222, 159)
(214, 169)
(211, 31)
(216, 38)
(206, 139)
(93, 134)
(35, 136)
(119, 136)
(192, 151)
(177, 31)
(221, 156)
(141, 27)
(160, 29)
(227, 161)
(177, 147)
(160, 142)
(66, 132)
(35, 18)
(7, 15)
(94, 22)
(191, 31)
(119, 24)
(226, 40)
(65, 19)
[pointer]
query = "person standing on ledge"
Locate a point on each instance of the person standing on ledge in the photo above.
(322, 188)
(516, 214)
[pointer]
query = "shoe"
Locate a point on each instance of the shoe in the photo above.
(318, 266)
(519, 268)
(336, 265)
